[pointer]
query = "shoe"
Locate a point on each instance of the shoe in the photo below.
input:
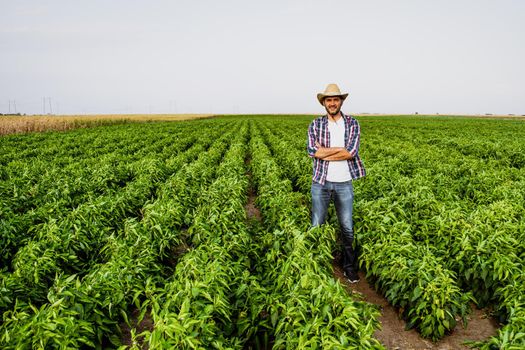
(352, 276)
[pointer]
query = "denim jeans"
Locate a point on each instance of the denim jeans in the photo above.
(343, 195)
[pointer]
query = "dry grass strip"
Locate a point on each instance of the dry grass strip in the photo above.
(38, 123)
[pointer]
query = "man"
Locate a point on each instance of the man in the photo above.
(333, 143)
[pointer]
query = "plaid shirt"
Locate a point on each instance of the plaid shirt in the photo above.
(318, 131)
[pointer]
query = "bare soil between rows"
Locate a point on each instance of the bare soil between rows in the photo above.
(393, 334)
(252, 212)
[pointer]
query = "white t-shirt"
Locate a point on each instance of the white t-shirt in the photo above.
(338, 170)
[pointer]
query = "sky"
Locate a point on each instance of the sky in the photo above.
(258, 57)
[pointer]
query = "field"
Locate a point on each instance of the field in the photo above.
(195, 234)
(11, 124)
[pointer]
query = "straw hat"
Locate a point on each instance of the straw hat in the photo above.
(331, 90)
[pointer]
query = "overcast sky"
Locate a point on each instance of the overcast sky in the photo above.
(235, 56)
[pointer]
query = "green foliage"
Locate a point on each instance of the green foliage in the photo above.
(102, 228)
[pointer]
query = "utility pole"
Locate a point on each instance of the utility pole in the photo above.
(14, 105)
(50, 108)
(174, 109)
(44, 106)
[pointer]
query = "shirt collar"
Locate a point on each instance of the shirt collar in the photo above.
(344, 116)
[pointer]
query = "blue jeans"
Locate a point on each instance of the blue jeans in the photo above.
(343, 195)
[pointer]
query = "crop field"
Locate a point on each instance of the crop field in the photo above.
(137, 235)
(11, 124)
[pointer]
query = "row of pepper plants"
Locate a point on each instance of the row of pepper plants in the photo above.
(243, 287)
(308, 308)
(409, 277)
(467, 211)
(86, 308)
(50, 184)
(70, 244)
(458, 207)
(465, 208)
(211, 299)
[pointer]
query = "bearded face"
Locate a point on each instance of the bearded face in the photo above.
(333, 105)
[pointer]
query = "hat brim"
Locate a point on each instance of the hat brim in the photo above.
(321, 97)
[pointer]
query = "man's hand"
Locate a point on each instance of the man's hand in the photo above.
(331, 153)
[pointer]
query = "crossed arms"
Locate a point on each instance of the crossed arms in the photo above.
(331, 153)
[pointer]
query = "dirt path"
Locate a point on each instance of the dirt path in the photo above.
(252, 212)
(393, 334)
